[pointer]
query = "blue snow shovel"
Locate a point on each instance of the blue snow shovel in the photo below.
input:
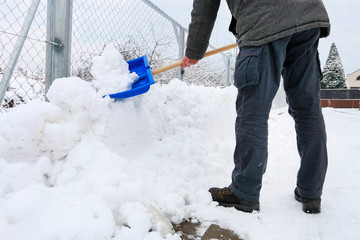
(142, 68)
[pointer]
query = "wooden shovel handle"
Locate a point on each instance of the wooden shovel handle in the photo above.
(166, 67)
(207, 54)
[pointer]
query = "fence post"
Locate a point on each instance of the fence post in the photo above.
(10, 67)
(181, 50)
(227, 63)
(180, 38)
(59, 18)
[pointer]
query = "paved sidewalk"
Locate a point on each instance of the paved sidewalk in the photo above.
(189, 232)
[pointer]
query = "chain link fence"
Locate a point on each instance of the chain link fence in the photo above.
(134, 27)
(27, 81)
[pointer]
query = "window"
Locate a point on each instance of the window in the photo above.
(358, 78)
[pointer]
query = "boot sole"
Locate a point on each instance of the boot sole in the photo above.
(310, 206)
(248, 209)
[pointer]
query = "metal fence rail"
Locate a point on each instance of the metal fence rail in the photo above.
(134, 27)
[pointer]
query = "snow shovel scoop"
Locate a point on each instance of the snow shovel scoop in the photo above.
(141, 67)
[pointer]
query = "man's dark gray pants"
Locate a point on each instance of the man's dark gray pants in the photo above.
(257, 77)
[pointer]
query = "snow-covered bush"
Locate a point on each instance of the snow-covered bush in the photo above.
(333, 73)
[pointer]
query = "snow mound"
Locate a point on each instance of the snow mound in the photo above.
(93, 168)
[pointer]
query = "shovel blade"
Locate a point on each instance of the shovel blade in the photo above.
(142, 68)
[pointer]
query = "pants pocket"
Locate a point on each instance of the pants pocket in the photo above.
(247, 67)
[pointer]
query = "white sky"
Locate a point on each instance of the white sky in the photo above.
(344, 17)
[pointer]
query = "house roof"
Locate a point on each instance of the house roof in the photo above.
(354, 72)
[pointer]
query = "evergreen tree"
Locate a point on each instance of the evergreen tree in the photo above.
(334, 75)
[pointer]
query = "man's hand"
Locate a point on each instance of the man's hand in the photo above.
(187, 62)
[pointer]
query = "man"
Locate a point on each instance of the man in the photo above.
(276, 38)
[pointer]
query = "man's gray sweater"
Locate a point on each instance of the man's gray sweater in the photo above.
(257, 21)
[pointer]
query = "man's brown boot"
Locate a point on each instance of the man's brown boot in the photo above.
(226, 198)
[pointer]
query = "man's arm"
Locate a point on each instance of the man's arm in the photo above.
(203, 17)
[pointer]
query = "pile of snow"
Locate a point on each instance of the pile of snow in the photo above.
(85, 167)
(111, 72)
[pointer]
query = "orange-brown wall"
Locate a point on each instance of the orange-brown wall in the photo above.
(340, 103)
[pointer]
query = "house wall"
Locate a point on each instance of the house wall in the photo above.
(351, 81)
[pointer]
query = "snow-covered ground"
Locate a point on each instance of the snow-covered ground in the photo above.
(88, 168)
